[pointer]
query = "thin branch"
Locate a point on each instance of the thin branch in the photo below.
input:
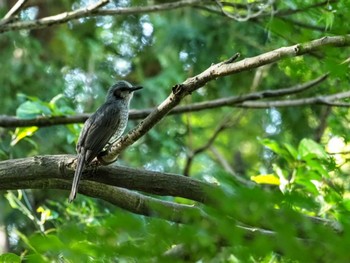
(56, 19)
(225, 124)
(13, 11)
(232, 101)
(215, 71)
(95, 10)
(287, 12)
(304, 25)
(319, 100)
(322, 126)
(274, 13)
(256, 13)
(342, 152)
(227, 167)
(42, 121)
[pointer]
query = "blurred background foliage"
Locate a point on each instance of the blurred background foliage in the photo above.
(296, 158)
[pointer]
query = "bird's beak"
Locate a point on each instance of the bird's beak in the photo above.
(135, 88)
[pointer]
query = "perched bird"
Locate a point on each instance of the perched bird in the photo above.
(105, 125)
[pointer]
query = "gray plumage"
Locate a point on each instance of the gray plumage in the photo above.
(106, 124)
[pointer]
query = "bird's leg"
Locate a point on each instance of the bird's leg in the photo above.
(110, 143)
(106, 151)
(94, 165)
(108, 146)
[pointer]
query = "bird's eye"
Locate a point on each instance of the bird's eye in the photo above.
(118, 93)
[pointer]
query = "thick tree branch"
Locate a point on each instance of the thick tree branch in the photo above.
(128, 200)
(54, 172)
(42, 121)
(61, 167)
(215, 71)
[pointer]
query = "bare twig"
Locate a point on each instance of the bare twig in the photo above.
(56, 19)
(95, 10)
(250, 14)
(227, 167)
(225, 123)
(6, 24)
(319, 100)
(288, 12)
(274, 13)
(259, 75)
(319, 131)
(13, 11)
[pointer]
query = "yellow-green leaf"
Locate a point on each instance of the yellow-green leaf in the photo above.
(266, 179)
(21, 133)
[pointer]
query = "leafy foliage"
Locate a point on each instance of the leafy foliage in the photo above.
(294, 205)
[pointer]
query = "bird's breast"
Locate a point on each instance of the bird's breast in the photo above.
(123, 121)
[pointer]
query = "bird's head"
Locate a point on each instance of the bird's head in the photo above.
(122, 90)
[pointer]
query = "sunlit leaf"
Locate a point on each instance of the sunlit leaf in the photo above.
(266, 179)
(309, 148)
(45, 214)
(9, 258)
(286, 151)
(21, 133)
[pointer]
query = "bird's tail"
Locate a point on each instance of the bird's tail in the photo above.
(77, 175)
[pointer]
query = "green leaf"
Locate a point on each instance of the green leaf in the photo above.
(286, 151)
(31, 109)
(311, 149)
(328, 17)
(21, 133)
(48, 242)
(9, 258)
(37, 258)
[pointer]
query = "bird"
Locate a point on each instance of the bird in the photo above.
(104, 126)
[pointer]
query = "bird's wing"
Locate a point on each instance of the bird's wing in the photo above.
(104, 124)
(84, 132)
